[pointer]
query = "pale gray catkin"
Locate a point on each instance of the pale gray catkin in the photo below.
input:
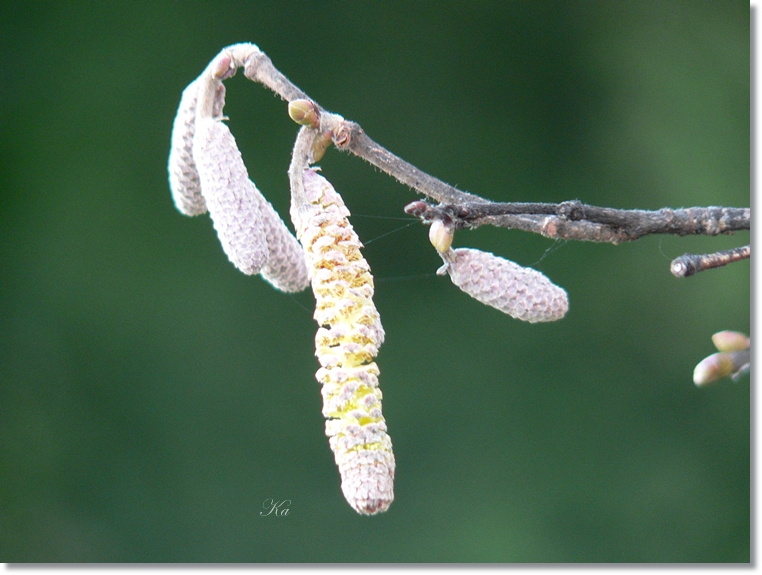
(230, 196)
(183, 175)
(286, 267)
(521, 292)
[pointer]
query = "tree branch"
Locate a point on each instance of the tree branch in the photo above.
(350, 137)
(520, 292)
(569, 220)
(573, 220)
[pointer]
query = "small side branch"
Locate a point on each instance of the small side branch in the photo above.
(689, 264)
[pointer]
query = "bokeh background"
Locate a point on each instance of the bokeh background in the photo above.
(153, 397)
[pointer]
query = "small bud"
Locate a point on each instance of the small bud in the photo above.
(712, 368)
(221, 66)
(521, 292)
(440, 236)
(304, 113)
(320, 145)
(230, 197)
(419, 209)
(730, 341)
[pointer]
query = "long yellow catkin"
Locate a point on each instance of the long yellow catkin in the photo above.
(347, 340)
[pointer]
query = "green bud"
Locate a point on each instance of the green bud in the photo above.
(730, 341)
(320, 145)
(712, 368)
(440, 236)
(304, 113)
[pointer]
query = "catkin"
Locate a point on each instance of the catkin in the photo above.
(230, 189)
(286, 267)
(521, 292)
(347, 340)
(183, 176)
(232, 199)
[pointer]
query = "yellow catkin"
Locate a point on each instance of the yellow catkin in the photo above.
(347, 340)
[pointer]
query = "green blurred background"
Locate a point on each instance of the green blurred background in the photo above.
(153, 397)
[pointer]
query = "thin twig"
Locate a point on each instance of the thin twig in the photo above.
(688, 264)
(301, 157)
(637, 223)
(350, 137)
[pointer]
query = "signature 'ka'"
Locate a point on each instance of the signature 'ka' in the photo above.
(207, 173)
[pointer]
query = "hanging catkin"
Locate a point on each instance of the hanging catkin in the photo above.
(206, 171)
(183, 176)
(251, 232)
(230, 195)
(347, 340)
(286, 267)
(521, 292)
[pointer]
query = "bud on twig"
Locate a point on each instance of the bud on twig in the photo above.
(733, 359)
(521, 292)
(440, 236)
(320, 145)
(688, 264)
(712, 368)
(730, 341)
(304, 113)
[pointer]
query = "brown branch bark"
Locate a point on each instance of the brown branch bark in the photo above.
(689, 264)
(576, 221)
